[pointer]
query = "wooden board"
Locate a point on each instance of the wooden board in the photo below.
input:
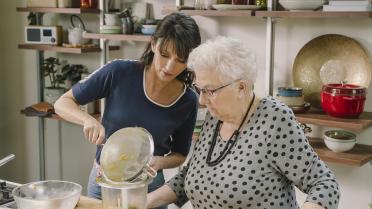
(88, 203)
(310, 14)
(322, 119)
(212, 13)
(57, 10)
(358, 156)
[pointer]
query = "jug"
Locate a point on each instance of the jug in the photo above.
(127, 21)
(75, 34)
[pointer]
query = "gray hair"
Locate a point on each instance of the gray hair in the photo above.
(227, 56)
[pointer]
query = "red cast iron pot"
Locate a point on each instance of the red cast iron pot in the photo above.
(343, 100)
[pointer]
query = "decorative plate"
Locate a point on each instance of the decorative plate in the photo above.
(234, 7)
(327, 59)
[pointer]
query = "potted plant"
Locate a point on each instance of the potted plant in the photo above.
(49, 69)
(72, 74)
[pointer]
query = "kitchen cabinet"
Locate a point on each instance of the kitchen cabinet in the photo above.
(360, 154)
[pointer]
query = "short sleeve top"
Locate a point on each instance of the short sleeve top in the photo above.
(121, 83)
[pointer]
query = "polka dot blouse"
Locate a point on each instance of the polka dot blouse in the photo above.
(271, 156)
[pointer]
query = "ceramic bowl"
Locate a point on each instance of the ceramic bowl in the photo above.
(301, 5)
(339, 140)
(148, 29)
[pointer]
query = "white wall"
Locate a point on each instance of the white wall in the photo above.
(69, 156)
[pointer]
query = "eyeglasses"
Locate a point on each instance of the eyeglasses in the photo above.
(211, 92)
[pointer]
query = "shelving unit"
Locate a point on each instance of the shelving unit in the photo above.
(322, 119)
(310, 14)
(120, 37)
(57, 10)
(97, 116)
(44, 47)
(358, 156)
(40, 49)
(213, 13)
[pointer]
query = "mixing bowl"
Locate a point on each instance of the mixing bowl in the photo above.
(50, 194)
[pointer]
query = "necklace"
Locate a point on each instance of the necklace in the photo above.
(230, 143)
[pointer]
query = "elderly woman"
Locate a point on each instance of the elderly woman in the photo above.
(251, 151)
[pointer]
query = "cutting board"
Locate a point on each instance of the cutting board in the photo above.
(88, 203)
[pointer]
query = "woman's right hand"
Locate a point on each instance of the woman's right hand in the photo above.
(93, 130)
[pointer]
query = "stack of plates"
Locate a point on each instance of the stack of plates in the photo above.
(111, 29)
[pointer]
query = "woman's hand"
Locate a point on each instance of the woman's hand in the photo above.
(310, 205)
(93, 130)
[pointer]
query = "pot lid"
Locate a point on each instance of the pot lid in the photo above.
(126, 154)
(344, 89)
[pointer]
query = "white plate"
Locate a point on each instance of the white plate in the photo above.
(234, 7)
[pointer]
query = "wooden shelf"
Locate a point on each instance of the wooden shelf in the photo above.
(57, 10)
(97, 116)
(358, 156)
(44, 47)
(213, 13)
(322, 119)
(309, 14)
(120, 37)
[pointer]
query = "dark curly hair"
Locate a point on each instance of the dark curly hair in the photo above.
(183, 32)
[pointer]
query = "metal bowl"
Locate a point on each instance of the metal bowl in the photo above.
(328, 59)
(47, 195)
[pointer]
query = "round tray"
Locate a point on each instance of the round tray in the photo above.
(327, 59)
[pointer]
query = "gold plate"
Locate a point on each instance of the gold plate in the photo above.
(330, 58)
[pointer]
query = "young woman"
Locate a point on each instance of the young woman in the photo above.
(152, 93)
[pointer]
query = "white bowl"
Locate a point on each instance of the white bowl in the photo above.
(339, 146)
(301, 4)
(112, 19)
(339, 140)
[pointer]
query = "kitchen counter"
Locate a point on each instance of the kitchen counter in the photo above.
(88, 203)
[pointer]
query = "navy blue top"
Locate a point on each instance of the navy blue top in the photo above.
(121, 83)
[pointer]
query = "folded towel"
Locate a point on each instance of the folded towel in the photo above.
(42, 109)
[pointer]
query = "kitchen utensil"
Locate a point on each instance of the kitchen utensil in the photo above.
(318, 52)
(339, 140)
(343, 100)
(6, 159)
(125, 194)
(126, 155)
(47, 195)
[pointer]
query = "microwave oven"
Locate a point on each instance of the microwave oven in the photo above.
(39, 34)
